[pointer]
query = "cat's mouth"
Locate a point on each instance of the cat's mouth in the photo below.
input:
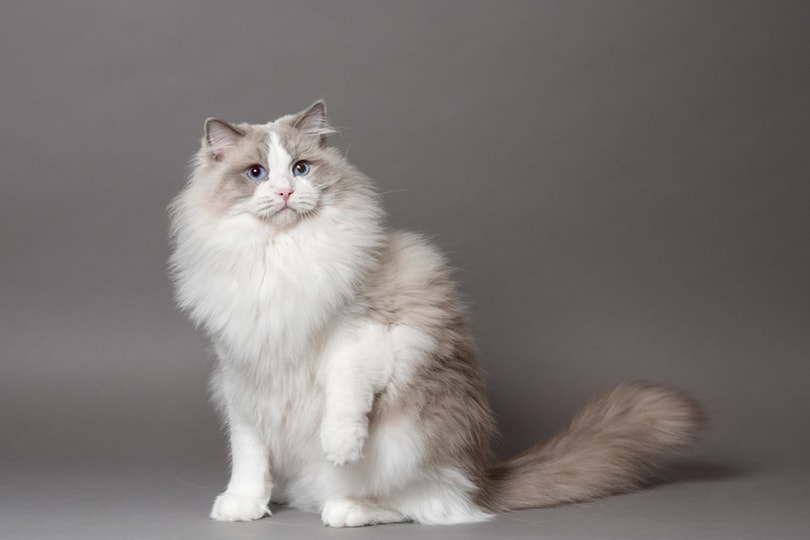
(283, 216)
(274, 209)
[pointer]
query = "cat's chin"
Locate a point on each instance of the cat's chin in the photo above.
(284, 218)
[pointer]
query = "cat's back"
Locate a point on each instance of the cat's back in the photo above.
(413, 279)
(414, 288)
(415, 294)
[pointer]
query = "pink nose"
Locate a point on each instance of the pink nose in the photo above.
(285, 193)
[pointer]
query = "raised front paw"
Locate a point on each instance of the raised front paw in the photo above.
(234, 507)
(343, 440)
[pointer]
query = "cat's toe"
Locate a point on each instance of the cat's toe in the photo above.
(343, 443)
(234, 507)
(354, 513)
(348, 455)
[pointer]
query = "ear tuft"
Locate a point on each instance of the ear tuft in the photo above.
(313, 121)
(220, 136)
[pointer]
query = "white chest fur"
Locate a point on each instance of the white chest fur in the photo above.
(267, 301)
(264, 298)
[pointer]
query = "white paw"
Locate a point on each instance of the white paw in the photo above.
(343, 441)
(234, 507)
(352, 513)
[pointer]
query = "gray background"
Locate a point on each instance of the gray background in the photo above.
(623, 187)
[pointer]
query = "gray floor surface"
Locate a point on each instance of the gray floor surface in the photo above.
(166, 502)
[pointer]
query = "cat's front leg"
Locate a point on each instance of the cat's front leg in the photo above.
(344, 431)
(248, 492)
(357, 364)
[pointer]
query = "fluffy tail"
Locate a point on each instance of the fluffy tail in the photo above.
(613, 445)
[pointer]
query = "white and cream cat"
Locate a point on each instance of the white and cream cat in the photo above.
(345, 372)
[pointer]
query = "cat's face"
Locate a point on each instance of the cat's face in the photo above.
(280, 173)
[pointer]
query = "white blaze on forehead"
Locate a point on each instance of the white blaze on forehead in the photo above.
(278, 158)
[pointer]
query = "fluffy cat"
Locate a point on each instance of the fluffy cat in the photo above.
(346, 374)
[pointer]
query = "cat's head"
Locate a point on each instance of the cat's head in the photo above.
(280, 173)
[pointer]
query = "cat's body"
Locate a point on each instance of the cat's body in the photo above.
(346, 372)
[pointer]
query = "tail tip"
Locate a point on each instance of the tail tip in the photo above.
(672, 416)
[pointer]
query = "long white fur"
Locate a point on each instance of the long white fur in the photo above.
(296, 381)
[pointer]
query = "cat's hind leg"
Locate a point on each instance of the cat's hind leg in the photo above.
(442, 496)
(350, 512)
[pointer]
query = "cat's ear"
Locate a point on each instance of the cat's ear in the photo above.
(313, 121)
(220, 136)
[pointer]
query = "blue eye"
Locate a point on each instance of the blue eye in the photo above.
(256, 172)
(301, 168)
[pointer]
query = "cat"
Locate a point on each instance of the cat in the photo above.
(346, 375)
